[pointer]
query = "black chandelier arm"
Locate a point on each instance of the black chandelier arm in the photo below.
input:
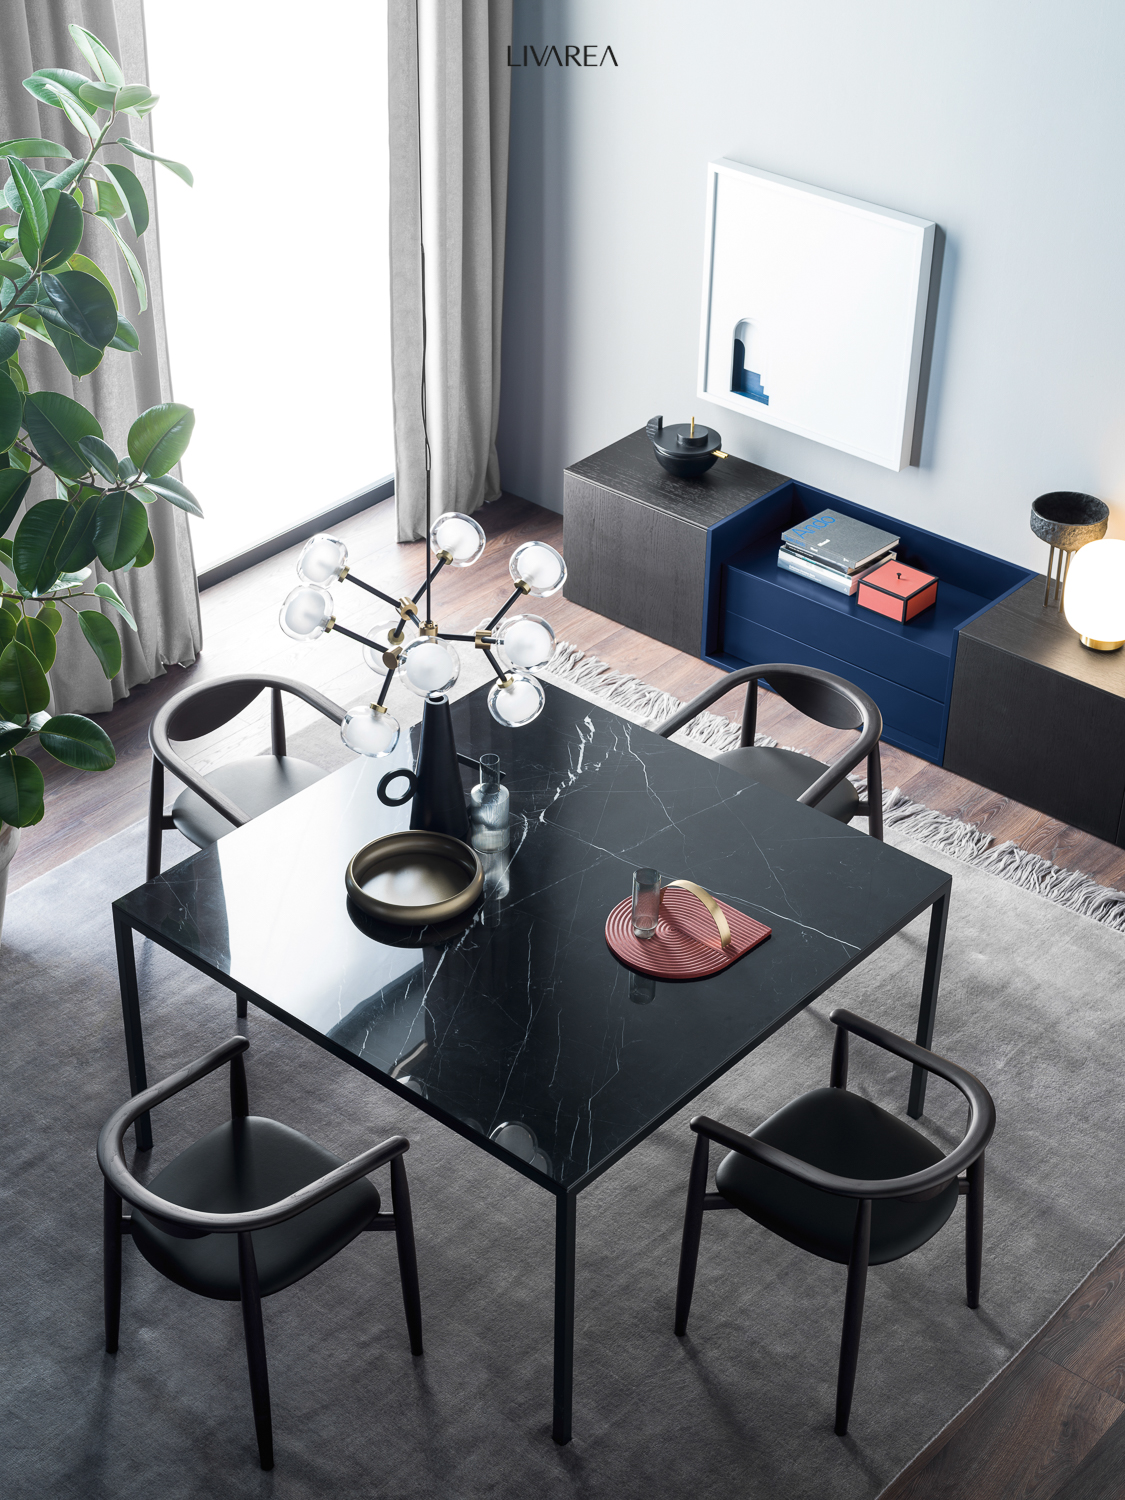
(517, 593)
(352, 635)
(471, 640)
(383, 691)
(430, 576)
(371, 589)
(495, 665)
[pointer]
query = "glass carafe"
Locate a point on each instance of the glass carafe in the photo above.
(488, 807)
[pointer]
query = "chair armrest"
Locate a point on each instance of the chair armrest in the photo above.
(705, 699)
(926, 1182)
(196, 783)
(111, 1160)
(310, 695)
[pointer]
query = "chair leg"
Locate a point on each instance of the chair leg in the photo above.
(853, 1314)
(255, 1348)
(277, 722)
(155, 820)
(974, 1231)
(693, 1229)
(407, 1256)
(111, 1269)
(875, 794)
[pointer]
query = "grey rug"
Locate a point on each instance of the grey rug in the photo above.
(1030, 1001)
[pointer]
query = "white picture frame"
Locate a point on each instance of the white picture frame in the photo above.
(827, 297)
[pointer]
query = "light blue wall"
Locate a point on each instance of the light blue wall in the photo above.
(1004, 121)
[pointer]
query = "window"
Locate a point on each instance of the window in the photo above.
(275, 264)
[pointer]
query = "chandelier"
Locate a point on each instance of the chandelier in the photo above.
(417, 650)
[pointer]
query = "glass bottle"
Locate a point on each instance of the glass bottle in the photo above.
(488, 807)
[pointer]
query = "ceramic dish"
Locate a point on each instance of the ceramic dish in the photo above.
(414, 879)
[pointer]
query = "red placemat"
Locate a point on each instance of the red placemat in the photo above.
(686, 944)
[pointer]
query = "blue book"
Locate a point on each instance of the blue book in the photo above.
(838, 542)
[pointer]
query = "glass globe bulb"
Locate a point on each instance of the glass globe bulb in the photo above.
(323, 559)
(306, 612)
(429, 666)
(1094, 598)
(458, 535)
(516, 702)
(379, 635)
(525, 641)
(367, 731)
(540, 567)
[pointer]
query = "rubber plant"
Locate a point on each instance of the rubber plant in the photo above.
(51, 291)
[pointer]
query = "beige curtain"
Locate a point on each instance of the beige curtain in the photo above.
(163, 597)
(462, 161)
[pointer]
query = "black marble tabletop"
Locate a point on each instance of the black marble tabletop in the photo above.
(525, 1020)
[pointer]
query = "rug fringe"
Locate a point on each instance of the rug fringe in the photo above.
(960, 841)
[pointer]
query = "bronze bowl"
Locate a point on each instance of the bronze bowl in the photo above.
(415, 879)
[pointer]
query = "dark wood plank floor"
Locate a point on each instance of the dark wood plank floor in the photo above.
(1048, 1425)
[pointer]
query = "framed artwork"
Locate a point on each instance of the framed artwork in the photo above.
(814, 311)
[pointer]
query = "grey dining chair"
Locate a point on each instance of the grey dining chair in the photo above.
(234, 793)
(247, 1211)
(838, 1176)
(821, 696)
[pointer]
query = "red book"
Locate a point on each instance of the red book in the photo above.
(897, 591)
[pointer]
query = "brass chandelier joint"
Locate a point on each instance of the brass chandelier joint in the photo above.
(408, 609)
(483, 639)
(430, 629)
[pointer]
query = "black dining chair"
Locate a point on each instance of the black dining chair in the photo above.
(246, 1211)
(234, 793)
(840, 1177)
(827, 699)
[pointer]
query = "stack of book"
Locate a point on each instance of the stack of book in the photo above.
(835, 550)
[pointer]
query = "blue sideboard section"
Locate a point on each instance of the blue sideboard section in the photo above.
(755, 611)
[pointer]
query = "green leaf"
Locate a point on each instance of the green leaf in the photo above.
(49, 614)
(23, 684)
(79, 548)
(12, 270)
(131, 261)
(101, 456)
(109, 593)
(64, 178)
(99, 631)
(12, 193)
(173, 166)
(79, 357)
(55, 423)
(179, 494)
(21, 791)
(98, 55)
(8, 625)
(37, 543)
(11, 404)
(19, 380)
(59, 87)
(98, 96)
(126, 338)
(84, 306)
(33, 205)
(121, 528)
(32, 145)
(136, 203)
(136, 99)
(65, 232)
(36, 635)
(146, 554)
(159, 437)
(109, 200)
(84, 263)
(13, 734)
(78, 742)
(9, 343)
(14, 484)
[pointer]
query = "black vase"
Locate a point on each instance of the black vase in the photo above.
(439, 801)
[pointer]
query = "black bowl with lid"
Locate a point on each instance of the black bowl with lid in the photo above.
(685, 449)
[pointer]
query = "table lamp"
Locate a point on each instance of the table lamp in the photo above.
(1094, 601)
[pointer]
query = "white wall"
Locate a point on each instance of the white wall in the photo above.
(1003, 121)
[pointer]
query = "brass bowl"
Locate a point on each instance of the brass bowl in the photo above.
(414, 879)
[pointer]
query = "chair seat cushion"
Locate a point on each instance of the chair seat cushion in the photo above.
(790, 772)
(255, 785)
(248, 1164)
(841, 1133)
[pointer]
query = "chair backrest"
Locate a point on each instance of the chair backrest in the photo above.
(199, 710)
(820, 696)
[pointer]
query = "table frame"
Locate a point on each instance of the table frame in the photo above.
(566, 1198)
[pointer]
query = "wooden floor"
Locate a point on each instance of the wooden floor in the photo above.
(1048, 1425)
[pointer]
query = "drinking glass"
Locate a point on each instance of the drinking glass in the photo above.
(646, 902)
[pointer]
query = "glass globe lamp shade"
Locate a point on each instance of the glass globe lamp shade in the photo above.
(380, 641)
(306, 612)
(429, 666)
(368, 731)
(324, 558)
(458, 535)
(540, 567)
(516, 702)
(524, 641)
(1094, 600)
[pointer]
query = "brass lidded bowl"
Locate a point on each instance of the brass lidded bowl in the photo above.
(414, 879)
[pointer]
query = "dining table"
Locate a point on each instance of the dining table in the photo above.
(515, 1025)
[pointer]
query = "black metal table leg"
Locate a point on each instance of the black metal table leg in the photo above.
(566, 1206)
(927, 1009)
(131, 1015)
